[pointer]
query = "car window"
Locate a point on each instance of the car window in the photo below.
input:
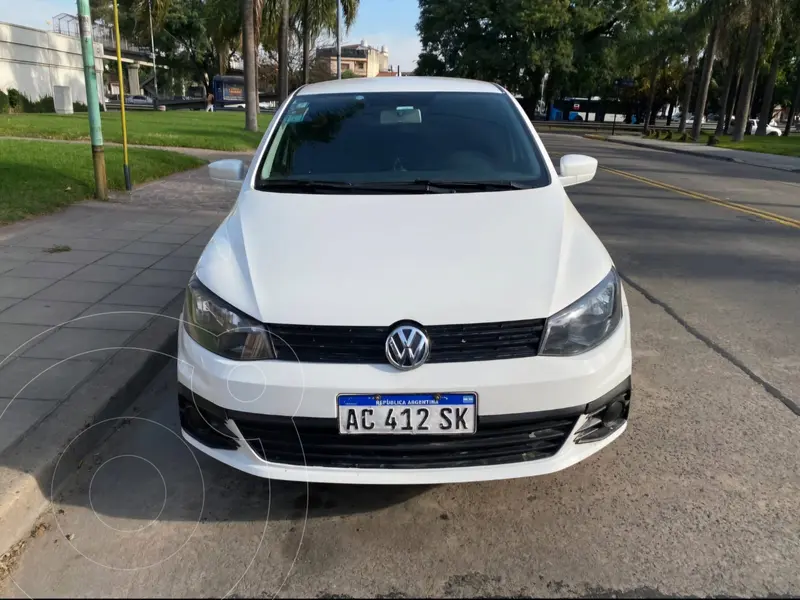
(402, 137)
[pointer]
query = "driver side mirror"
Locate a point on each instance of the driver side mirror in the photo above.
(229, 172)
(577, 168)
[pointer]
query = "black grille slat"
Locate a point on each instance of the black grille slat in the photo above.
(366, 345)
(523, 438)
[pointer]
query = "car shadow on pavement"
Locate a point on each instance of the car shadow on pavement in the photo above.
(147, 471)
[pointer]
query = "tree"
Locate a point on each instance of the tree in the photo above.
(283, 52)
(249, 56)
(705, 79)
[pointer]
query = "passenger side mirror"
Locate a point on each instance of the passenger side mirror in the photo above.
(229, 172)
(577, 168)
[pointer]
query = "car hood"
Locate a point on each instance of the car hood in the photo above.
(376, 260)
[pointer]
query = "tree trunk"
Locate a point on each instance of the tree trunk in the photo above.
(795, 102)
(306, 40)
(748, 76)
(769, 88)
(283, 52)
(688, 83)
(705, 79)
(651, 98)
(736, 89)
(249, 56)
(672, 104)
(726, 92)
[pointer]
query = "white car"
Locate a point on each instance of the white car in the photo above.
(403, 293)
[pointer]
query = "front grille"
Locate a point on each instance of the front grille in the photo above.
(449, 343)
(317, 442)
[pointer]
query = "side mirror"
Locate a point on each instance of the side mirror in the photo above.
(229, 172)
(577, 168)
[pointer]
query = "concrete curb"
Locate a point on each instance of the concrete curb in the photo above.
(687, 152)
(34, 469)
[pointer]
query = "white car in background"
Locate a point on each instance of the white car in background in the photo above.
(403, 293)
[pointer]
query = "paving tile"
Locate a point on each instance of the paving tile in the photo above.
(201, 239)
(74, 242)
(122, 259)
(138, 226)
(167, 238)
(6, 302)
(176, 263)
(22, 287)
(18, 253)
(142, 295)
(150, 248)
(155, 218)
(188, 251)
(42, 312)
(7, 265)
(82, 344)
(105, 274)
(49, 270)
(76, 291)
(161, 278)
(118, 234)
(82, 257)
(38, 382)
(197, 220)
(13, 335)
(18, 416)
(189, 229)
(123, 317)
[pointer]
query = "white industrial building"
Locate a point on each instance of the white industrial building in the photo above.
(34, 61)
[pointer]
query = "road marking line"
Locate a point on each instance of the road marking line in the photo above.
(783, 220)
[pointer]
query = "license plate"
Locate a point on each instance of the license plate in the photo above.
(426, 414)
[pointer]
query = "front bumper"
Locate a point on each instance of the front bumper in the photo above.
(275, 405)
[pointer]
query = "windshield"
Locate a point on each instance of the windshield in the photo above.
(423, 142)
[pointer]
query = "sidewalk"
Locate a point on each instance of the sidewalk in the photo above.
(758, 159)
(88, 302)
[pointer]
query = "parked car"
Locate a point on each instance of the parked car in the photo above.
(403, 293)
(771, 129)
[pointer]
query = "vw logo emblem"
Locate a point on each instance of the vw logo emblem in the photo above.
(407, 347)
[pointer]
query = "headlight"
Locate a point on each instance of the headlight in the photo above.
(585, 323)
(220, 328)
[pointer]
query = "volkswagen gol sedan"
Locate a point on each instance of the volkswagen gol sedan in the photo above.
(403, 293)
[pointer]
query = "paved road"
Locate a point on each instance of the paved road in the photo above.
(700, 496)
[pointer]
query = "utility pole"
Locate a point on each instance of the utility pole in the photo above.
(92, 100)
(338, 42)
(126, 170)
(153, 49)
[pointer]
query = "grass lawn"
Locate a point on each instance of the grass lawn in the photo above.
(765, 144)
(41, 177)
(187, 128)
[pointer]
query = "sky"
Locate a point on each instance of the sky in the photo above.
(379, 22)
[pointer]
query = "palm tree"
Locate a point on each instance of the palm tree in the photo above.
(780, 40)
(748, 76)
(705, 79)
(249, 55)
(283, 52)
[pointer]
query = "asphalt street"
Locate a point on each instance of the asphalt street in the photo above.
(700, 496)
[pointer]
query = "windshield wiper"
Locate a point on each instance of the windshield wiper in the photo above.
(418, 186)
(482, 186)
(302, 185)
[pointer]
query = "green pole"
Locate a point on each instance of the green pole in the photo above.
(92, 100)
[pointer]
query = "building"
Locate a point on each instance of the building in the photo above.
(363, 60)
(35, 61)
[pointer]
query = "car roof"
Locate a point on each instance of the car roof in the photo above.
(398, 84)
